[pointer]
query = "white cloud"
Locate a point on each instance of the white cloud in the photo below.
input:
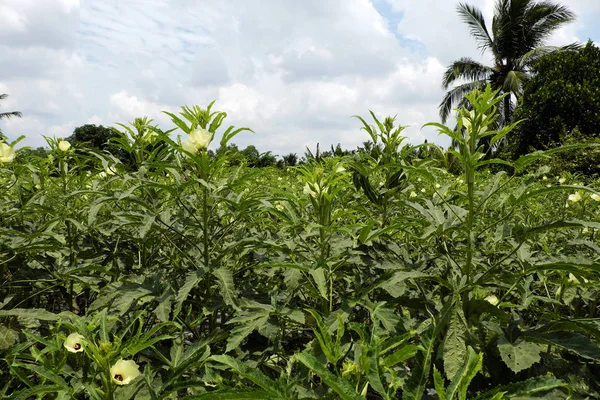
(293, 71)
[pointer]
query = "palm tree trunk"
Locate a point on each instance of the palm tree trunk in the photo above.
(507, 113)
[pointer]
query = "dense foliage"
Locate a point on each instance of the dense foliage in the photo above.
(369, 276)
(564, 94)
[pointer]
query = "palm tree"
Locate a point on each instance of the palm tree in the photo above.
(8, 115)
(516, 41)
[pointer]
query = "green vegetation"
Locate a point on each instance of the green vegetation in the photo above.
(515, 40)
(7, 115)
(374, 275)
(563, 95)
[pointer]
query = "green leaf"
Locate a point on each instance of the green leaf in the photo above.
(318, 275)
(401, 355)
(43, 372)
(519, 355)
(234, 395)
(191, 281)
(35, 313)
(525, 388)
(465, 375)
(331, 350)
(251, 373)
(8, 338)
(373, 373)
(245, 328)
(36, 390)
(343, 388)
(163, 309)
(226, 286)
(455, 348)
(438, 382)
(571, 341)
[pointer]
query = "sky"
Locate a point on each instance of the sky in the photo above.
(294, 71)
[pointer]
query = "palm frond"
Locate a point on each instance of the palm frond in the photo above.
(473, 17)
(543, 19)
(465, 68)
(527, 60)
(11, 114)
(513, 82)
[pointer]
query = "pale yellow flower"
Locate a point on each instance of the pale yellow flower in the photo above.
(575, 197)
(189, 146)
(308, 190)
(492, 299)
(412, 194)
(467, 120)
(573, 279)
(595, 197)
(124, 371)
(562, 180)
(7, 153)
(200, 138)
(149, 136)
(73, 343)
(63, 145)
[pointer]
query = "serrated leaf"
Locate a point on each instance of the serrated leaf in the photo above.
(225, 278)
(343, 388)
(525, 388)
(455, 348)
(253, 374)
(439, 384)
(318, 275)
(244, 329)
(8, 338)
(35, 313)
(571, 341)
(401, 355)
(234, 395)
(519, 355)
(191, 281)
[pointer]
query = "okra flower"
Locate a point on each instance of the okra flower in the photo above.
(492, 299)
(63, 145)
(198, 139)
(7, 153)
(124, 371)
(308, 190)
(573, 279)
(575, 197)
(148, 136)
(73, 343)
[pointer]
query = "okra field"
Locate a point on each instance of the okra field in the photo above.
(367, 276)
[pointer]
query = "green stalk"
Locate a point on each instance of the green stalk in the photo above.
(470, 176)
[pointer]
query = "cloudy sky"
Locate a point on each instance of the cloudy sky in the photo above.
(294, 71)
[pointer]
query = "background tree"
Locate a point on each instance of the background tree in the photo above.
(7, 115)
(98, 138)
(290, 160)
(515, 41)
(564, 94)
